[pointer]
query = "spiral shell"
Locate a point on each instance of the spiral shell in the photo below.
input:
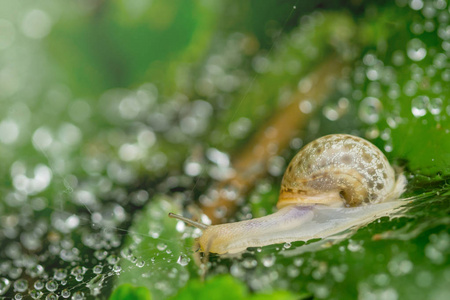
(338, 169)
(323, 192)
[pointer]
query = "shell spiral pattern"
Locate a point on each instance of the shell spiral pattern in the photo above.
(347, 168)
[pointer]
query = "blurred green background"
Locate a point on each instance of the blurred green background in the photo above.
(113, 113)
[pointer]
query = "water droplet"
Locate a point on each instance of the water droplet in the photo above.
(249, 263)
(9, 130)
(424, 279)
(35, 294)
(155, 229)
(354, 246)
(78, 296)
(36, 24)
(51, 296)
(369, 110)
(140, 263)
(39, 285)
(434, 254)
(440, 60)
(183, 260)
(240, 128)
(4, 285)
(268, 260)
(78, 270)
(435, 106)
(113, 259)
(100, 254)
(192, 168)
(60, 274)
(416, 4)
(51, 285)
(298, 262)
(161, 246)
(65, 293)
(306, 106)
(416, 50)
(117, 268)
(126, 253)
(20, 285)
(237, 270)
(18, 296)
(292, 271)
(419, 106)
(97, 269)
(321, 291)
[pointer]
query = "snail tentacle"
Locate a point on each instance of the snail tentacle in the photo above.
(334, 183)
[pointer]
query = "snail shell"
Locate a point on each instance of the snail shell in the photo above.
(334, 183)
(337, 169)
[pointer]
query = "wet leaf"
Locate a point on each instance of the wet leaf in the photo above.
(130, 292)
(152, 249)
(226, 287)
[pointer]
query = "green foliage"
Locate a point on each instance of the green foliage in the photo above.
(152, 249)
(227, 287)
(130, 292)
(123, 44)
(160, 50)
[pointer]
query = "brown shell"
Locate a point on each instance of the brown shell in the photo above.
(337, 169)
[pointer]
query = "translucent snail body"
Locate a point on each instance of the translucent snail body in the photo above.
(333, 183)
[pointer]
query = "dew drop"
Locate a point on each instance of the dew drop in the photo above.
(237, 270)
(126, 253)
(97, 269)
(39, 285)
(18, 296)
(36, 271)
(100, 254)
(183, 260)
(4, 285)
(117, 268)
(140, 263)
(51, 296)
(65, 293)
(249, 263)
(369, 110)
(416, 50)
(161, 246)
(20, 285)
(51, 285)
(113, 259)
(35, 294)
(36, 24)
(292, 271)
(435, 106)
(60, 274)
(419, 106)
(268, 261)
(78, 296)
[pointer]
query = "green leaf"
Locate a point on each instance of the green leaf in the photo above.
(279, 295)
(124, 44)
(152, 249)
(219, 287)
(130, 292)
(226, 287)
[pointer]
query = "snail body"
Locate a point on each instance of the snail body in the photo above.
(333, 183)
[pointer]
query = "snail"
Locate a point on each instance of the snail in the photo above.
(334, 183)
